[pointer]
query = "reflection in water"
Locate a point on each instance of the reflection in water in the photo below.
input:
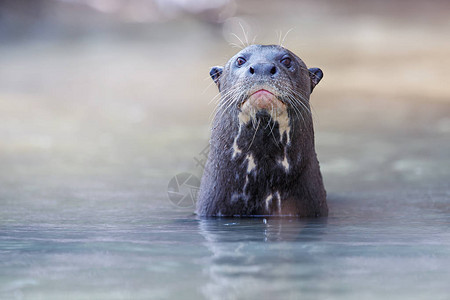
(246, 251)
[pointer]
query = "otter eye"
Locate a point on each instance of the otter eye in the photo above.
(286, 61)
(240, 61)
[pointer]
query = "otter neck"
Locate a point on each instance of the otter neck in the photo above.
(264, 137)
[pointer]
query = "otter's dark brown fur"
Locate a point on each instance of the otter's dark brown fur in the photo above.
(262, 159)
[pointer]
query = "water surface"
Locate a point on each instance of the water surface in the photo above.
(117, 246)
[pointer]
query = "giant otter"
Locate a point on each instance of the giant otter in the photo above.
(262, 159)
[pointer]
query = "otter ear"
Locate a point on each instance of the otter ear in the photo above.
(215, 74)
(315, 74)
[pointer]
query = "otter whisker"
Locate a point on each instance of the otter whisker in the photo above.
(214, 112)
(254, 135)
(298, 113)
(234, 45)
(253, 114)
(295, 106)
(235, 100)
(224, 94)
(216, 98)
(272, 122)
(227, 97)
(304, 107)
(297, 95)
(225, 104)
(245, 34)
(279, 34)
(273, 135)
(301, 96)
(269, 121)
(209, 85)
(295, 103)
(282, 42)
(243, 44)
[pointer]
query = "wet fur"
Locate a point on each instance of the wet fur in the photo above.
(227, 188)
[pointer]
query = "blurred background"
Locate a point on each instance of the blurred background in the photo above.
(97, 92)
(103, 102)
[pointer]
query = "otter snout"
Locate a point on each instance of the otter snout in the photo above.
(262, 69)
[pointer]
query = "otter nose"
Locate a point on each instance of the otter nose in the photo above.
(262, 69)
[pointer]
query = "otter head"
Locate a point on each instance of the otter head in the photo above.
(265, 79)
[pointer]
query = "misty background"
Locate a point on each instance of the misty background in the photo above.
(103, 102)
(118, 91)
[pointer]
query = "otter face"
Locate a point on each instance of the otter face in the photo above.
(266, 78)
